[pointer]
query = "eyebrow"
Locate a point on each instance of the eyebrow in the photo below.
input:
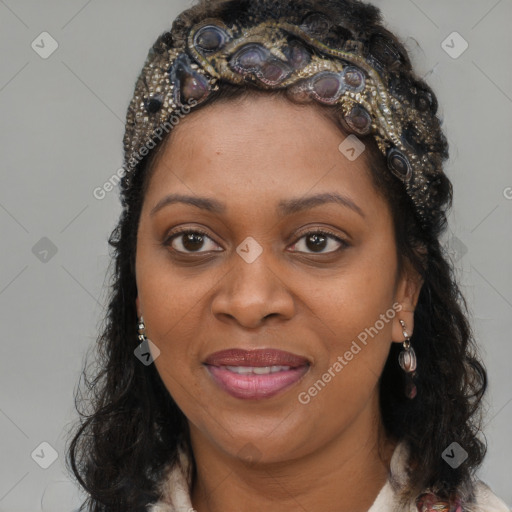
(285, 207)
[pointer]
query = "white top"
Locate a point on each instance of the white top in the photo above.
(175, 493)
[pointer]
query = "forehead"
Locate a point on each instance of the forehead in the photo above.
(259, 147)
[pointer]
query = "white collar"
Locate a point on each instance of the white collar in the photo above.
(175, 494)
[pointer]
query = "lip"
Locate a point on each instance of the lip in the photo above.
(251, 386)
(257, 357)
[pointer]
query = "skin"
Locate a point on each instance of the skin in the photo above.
(250, 154)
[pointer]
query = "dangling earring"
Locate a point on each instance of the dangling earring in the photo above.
(142, 330)
(147, 351)
(407, 360)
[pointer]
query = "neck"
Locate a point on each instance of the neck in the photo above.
(344, 474)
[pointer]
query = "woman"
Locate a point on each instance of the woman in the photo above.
(284, 330)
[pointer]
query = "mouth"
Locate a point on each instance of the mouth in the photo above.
(255, 374)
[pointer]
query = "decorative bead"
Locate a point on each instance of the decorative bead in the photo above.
(166, 41)
(254, 58)
(298, 57)
(407, 360)
(421, 102)
(326, 87)
(188, 83)
(354, 78)
(210, 39)
(249, 58)
(194, 86)
(399, 164)
(273, 72)
(425, 101)
(153, 104)
(359, 120)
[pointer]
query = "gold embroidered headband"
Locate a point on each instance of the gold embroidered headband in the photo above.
(338, 64)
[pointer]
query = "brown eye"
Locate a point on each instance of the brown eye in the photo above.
(188, 241)
(317, 241)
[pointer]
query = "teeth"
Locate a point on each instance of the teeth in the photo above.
(258, 370)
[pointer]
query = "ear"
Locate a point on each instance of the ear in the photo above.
(407, 293)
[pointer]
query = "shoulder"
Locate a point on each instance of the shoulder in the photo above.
(486, 500)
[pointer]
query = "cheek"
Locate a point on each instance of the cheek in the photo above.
(353, 300)
(355, 348)
(170, 295)
(356, 311)
(175, 310)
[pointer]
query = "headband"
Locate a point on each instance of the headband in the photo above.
(315, 60)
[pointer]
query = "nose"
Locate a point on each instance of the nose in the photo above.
(252, 292)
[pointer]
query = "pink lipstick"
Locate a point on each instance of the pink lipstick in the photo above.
(255, 374)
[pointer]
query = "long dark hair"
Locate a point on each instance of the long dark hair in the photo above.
(130, 428)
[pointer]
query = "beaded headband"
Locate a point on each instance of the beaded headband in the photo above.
(315, 60)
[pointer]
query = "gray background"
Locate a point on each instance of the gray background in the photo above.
(61, 130)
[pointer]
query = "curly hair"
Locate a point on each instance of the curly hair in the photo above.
(132, 428)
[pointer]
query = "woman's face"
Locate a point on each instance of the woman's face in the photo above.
(255, 276)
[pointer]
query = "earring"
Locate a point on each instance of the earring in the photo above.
(142, 330)
(407, 360)
(147, 351)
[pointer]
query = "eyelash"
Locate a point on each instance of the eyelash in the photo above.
(185, 231)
